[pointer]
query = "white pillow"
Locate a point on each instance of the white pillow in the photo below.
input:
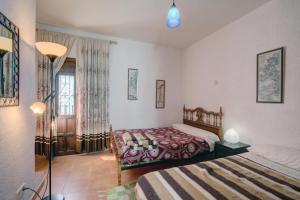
(209, 137)
(286, 156)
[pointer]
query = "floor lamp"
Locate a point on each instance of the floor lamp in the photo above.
(52, 51)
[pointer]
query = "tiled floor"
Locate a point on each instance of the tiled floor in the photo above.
(80, 177)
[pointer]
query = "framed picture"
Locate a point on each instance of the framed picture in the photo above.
(160, 93)
(270, 76)
(132, 84)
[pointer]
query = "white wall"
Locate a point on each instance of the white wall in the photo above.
(221, 70)
(154, 62)
(17, 124)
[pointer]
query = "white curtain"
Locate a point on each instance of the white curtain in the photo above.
(92, 89)
(43, 85)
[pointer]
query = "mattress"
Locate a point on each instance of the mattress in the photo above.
(233, 177)
(172, 144)
(272, 164)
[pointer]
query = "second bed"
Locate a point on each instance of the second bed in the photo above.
(180, 144)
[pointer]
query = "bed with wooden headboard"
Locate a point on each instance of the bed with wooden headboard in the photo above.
(174, 146)
(203, 119)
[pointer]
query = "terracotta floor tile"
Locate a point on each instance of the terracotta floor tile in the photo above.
(75, 187)
(81, 176)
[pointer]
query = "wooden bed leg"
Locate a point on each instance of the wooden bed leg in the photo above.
(110, 139)
(110, 145)
(113, 149)
(119, 171)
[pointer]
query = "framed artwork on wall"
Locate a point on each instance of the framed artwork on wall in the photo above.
(160, 94)
(133, 84)
(270, 76)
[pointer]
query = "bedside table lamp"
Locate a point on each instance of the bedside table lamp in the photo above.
(231, 136)
(52, 51)
(5, 46)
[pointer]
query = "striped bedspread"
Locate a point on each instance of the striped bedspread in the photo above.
(232, 177)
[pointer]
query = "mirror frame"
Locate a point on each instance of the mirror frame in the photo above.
(14, 101)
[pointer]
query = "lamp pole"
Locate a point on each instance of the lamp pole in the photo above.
(51, 97)
(52, 89)
(52, 51)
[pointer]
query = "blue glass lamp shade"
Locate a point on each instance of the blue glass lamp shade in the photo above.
(173, 18)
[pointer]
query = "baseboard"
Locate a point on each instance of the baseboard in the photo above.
(41, 188)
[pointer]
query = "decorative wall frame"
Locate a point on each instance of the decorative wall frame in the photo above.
(160, 94)
(12, 99)
(133, 84)
(270, 76)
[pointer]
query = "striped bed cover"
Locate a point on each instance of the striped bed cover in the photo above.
(233, 177)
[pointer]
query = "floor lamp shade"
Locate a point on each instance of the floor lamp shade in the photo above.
(5, 44)
(51, 49)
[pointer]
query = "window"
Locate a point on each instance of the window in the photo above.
(66, 96)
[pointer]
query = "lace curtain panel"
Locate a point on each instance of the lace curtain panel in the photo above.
(92, 92)
(92, 87)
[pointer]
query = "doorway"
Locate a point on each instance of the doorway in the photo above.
(65, 108)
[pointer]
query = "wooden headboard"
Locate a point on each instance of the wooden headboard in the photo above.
(206, 120)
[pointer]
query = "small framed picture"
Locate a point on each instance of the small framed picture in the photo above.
(133, 84)
(160, 94)
(270, 76)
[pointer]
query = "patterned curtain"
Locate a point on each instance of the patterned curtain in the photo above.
(92, 77)
(43, 87)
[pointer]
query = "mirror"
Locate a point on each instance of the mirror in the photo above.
(6, 63)
(9, 62)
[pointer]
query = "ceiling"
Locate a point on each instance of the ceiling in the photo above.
(144, 20)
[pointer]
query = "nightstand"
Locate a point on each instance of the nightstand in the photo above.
(223, 149)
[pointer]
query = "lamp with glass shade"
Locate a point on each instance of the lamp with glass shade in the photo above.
(52, 51)
(173, 17)
(38, 107)
(232, 136)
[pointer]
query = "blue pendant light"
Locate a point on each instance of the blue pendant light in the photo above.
(173, 18)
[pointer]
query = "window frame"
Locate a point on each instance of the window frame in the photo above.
(58, 91)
